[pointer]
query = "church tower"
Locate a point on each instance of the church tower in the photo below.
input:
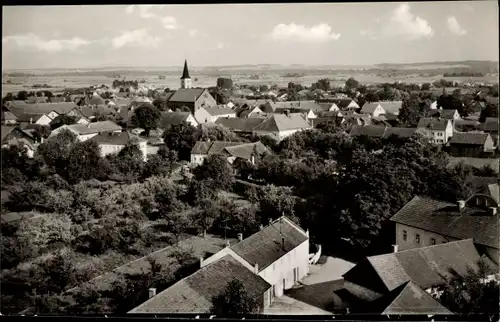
(185, 79)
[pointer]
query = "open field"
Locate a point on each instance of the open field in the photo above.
(58, 82)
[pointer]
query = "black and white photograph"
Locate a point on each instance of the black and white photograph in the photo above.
(258, 160)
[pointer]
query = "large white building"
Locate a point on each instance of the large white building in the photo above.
(87, 131)
(114, 142)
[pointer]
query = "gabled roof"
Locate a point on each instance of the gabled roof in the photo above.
(43, 108)
(493, 190)
(425, 266)
(186, 95)
(369, 107)
(447, 114)
(121, 138)
(391, 107)
(29, 117)
(245, 150)
(266, 246)
(280, 122)
(194, 293)
(240, 124)
(213, 147)
(433, 124)
(8, 116)
(399, 131)
(444, 218)
(97, 127)
(469, 138)
(173, 118)
(215, 111)
(342, 103)
(408, 298)
(369, 130)
(491, 124)
(6, 130)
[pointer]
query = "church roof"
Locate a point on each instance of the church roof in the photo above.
(185, 73)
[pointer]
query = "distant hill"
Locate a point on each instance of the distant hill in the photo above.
(474, 65)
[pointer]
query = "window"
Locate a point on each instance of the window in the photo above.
(433, 241)
(440, 133)
(417, 238)
(405, 235)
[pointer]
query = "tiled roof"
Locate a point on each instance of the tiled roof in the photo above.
(491, 124)
(214, 111)
(408, 298)
(433, 124)
(342, 103)
(369, 107)
(22, 141)
(280, 122)
(493, 191)
(245, 150)
(425, 266)
(6, 130)
(121, 138)
(445, 219)
(447, 114)
(214, 147)
(8, 116)
(28, 117)
(43, 108)
(96, 100)
(369, 130)
(240, 124)
(173, 118)
(186, 95)
(104, 126)
(194, 293)
(469, 138)
(266, 246)
(399, 131)
(391, 107)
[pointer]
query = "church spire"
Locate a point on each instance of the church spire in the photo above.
(185, 73)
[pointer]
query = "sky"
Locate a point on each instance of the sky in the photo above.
(237, 34)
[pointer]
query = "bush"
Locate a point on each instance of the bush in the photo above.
(13, 176)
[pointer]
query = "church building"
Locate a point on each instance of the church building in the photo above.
(193, 98)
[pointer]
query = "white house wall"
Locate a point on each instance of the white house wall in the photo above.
(44, 120)
(283, 268)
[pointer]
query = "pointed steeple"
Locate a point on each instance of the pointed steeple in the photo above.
(185, 73)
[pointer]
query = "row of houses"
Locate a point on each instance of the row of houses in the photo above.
(432, 238)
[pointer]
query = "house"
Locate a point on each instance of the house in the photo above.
(33, 118)
(408, 298)
(383, 107)
(279, 253)
(344, 103)
(114, 142)
(424, 221)
(211, 114)
(372, 109)
(232, 150)
(193, 98)
(308, 114)
(52, 110)
(447, 114)
(240, 125)
(85, 132)
(57, 121)
(280, 126)
(427, 267)
(249, 112)
(176, 118)
(440, 130)
(372, 131)
(16, 136)
(434, 105)
(193, 294)
(470, 144)
(491, 126)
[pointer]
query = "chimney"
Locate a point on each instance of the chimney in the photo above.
(283, 243)
(31, 120)
(228, 244)
(41, 140)
(88, 125)
(493, 211)
(152, 292)
(270, 220)
(461, 204)
(201, 261)
(261, 227)
(307, 232)
(240, 237)
(395, 248)
(256, 268)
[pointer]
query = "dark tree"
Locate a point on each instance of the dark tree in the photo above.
(181, 138)
(146, 116)
(225, 83)
(489, 111)
(217, 170)
(22, 95)
(84, 162)
(471, 294)
(411, 111)
(234, 300)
